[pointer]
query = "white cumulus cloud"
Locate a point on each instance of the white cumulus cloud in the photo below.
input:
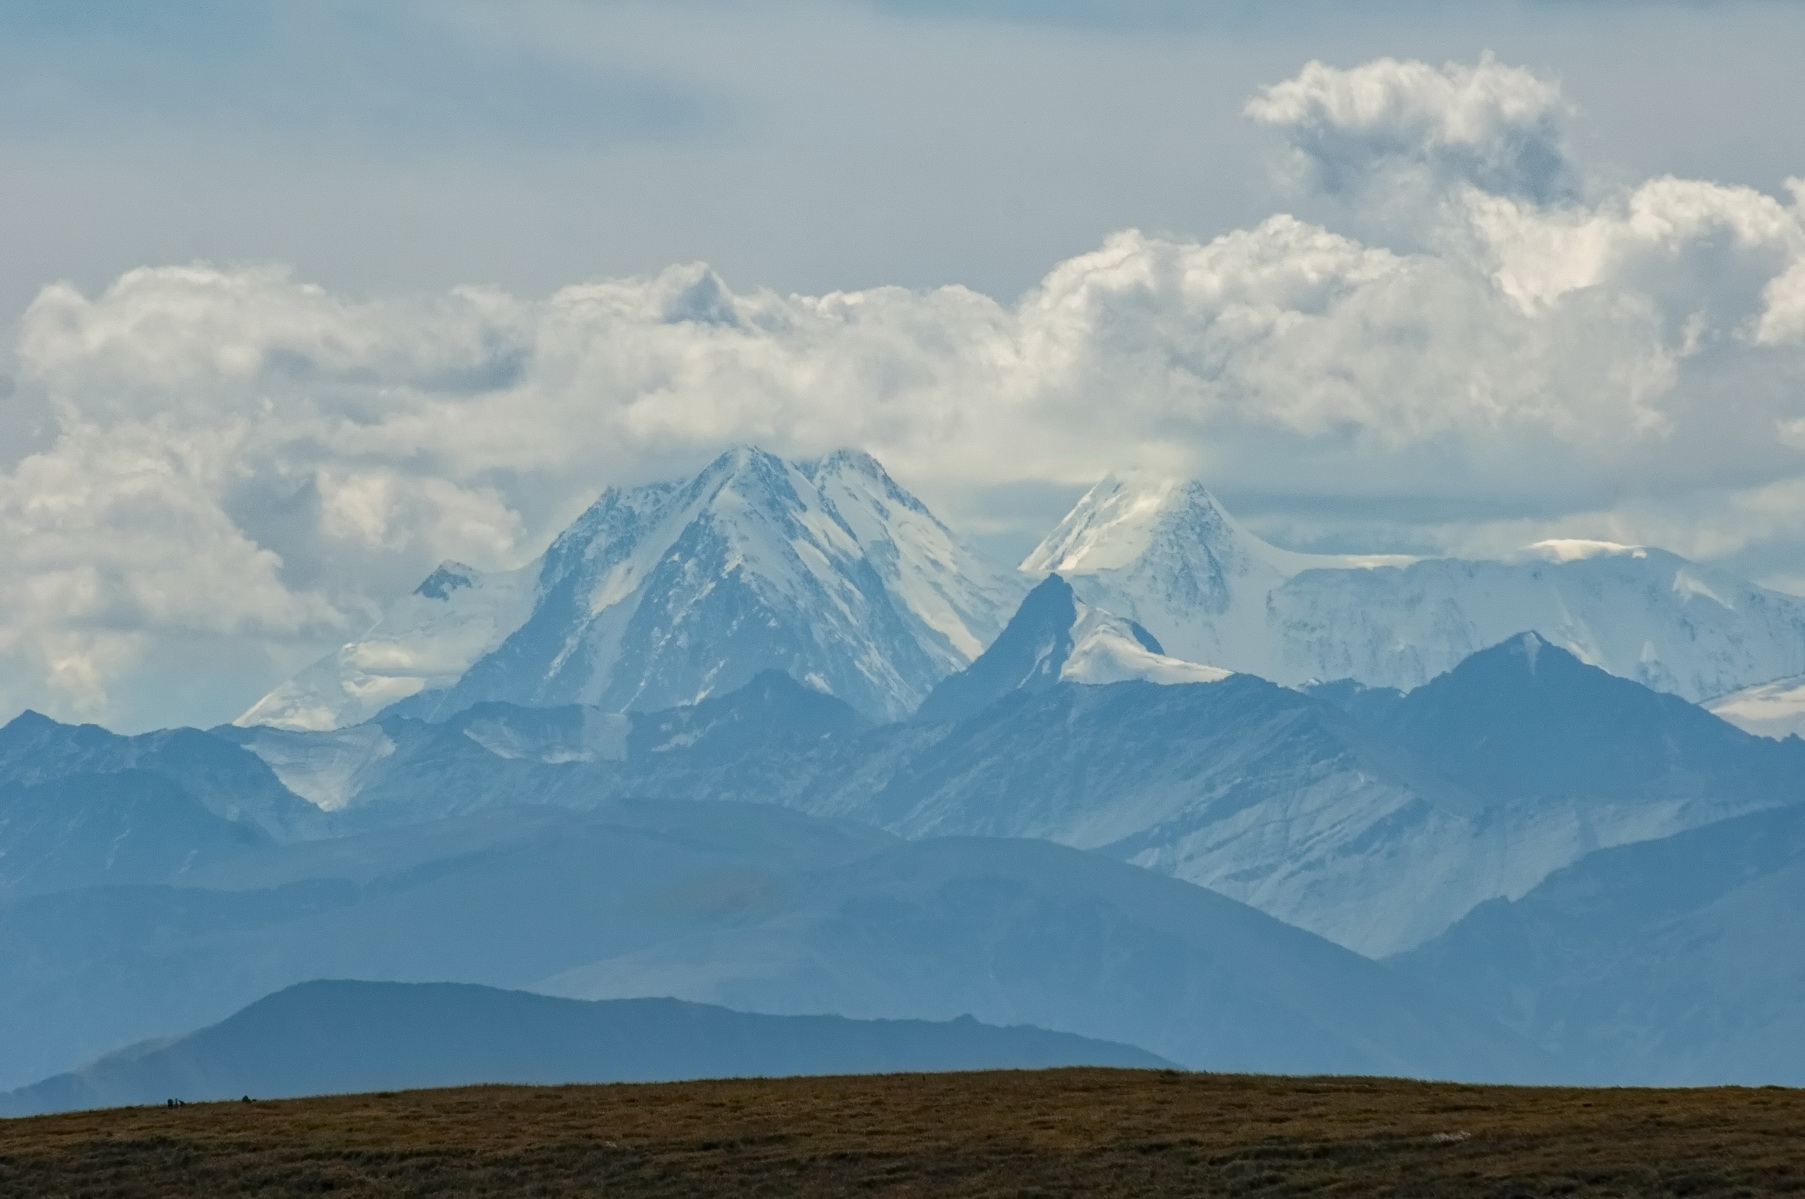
(251, 464)
(1497, 127)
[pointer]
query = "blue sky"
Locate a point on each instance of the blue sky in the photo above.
(802, 146)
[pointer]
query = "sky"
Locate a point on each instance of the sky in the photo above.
(299, 299)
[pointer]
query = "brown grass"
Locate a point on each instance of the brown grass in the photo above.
(1053, 1133)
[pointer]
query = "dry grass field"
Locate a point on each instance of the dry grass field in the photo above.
(1056, 1133)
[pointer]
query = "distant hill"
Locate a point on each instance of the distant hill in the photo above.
(336, 1037)
(747, 905)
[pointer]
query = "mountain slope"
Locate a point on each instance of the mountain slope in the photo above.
(1167, 555)
(335, 1037)
(1673, 961)
(665, 594)
(130, 826)
(1526, 718)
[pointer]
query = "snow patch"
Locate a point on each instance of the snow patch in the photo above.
(1775, 709)
(1574, 549)
(1687, 584)
(1105, 650)
(327, 769)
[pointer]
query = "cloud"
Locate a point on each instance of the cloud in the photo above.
(255, 463)
(1496, 127)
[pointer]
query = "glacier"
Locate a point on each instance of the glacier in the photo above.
(1166, 554)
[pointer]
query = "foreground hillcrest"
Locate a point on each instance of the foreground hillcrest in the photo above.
(1166, 555)
(664, 594)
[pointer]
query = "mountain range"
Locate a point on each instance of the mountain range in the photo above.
(750, 906)
(773, 739)
(827, 569)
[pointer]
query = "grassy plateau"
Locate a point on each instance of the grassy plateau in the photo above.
(1051, 1133)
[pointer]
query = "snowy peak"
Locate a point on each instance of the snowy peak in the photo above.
(425, 641)
(1165, 554)
(1125, 522)
(664, 594)
(1056, 638)
(1108, 649)
(660, 596)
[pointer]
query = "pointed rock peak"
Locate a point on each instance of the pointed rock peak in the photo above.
(1051, 603)
(1029, 652)
(1528, 658)
(449, 577)
(1054, 638)
(30, 718)
(696, 294)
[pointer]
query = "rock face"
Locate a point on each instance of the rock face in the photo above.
(666, 594)
(1166, 555)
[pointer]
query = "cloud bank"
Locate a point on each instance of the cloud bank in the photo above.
(246, 466)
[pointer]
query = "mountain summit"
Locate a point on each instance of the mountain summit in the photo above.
(664, 594)
(1167, 555)
(1055, 638)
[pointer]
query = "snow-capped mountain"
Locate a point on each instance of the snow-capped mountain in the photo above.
(424, 642)
(664, 594)
(1166, 555)
(1056, 638)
